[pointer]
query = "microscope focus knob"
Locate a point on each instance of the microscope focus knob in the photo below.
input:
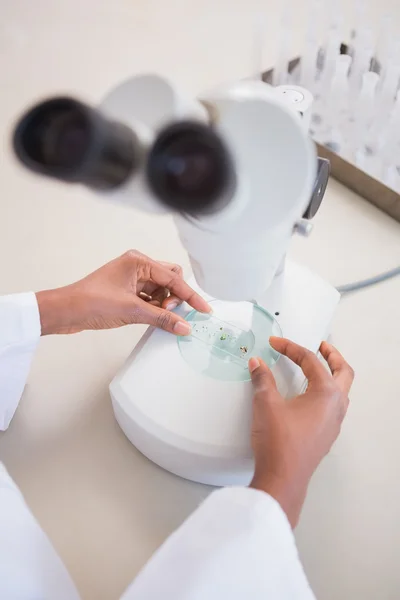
(320, 184)
(303, 227)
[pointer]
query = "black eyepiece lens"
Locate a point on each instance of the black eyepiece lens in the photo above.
(189, 168)
(68, 140)
(54, 134)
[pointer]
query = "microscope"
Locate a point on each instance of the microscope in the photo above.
(240, 175)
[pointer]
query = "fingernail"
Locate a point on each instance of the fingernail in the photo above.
(207, 310)
(182, 328)
(254, 363)
(209, 307)
(171, 305)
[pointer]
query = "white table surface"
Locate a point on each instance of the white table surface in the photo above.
(104, 506)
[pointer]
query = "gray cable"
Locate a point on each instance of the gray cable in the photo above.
(360, 285)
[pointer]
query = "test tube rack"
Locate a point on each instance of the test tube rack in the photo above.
(347, 173)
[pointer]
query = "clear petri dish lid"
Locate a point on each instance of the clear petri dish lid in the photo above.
(222, 343)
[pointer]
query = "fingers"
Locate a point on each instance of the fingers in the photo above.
(159, 295)
(144, 296)
(163, 319)
(168, 302)
(305, 359)
(151, 288)
(171, 302)
(174, 282)
(165, 275)
(172, 267)
(261, 376)
(153, 295)
(341, 370)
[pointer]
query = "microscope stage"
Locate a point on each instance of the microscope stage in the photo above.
(196, 426)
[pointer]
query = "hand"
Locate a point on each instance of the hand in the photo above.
(130, 289)
(291, 437)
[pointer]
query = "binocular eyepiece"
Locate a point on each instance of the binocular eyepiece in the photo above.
(188, 167)
(70, 141)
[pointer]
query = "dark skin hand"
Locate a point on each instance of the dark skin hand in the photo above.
(130, 289)
(291, 437)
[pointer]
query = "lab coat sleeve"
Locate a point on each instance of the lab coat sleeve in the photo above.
(237, 545)
(30, 569)
(19, 336)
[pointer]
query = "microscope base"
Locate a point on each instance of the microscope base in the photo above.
(197, 427)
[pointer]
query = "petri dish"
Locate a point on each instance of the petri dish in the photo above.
(222, 343)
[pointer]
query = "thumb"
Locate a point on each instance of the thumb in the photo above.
(164, 319)
(261, 376)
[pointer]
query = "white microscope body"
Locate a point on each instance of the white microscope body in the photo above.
(192, 425)
(186, 422)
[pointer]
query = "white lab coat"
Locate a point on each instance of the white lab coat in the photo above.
(237, 545)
